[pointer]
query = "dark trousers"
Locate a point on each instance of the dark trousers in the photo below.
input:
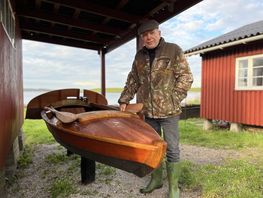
(169, 127)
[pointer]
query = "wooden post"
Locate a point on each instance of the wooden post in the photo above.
(102, 58)
(88, 168)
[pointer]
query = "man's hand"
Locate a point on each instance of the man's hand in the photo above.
(123, 107)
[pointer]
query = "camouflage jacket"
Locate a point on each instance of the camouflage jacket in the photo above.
(163, 85)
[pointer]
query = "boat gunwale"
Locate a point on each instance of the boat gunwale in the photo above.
(146, 146)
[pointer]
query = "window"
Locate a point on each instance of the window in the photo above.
(249, 73)
(7, 19)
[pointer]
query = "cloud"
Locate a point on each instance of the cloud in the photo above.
(59, 66)
(119, 63)
(209, 19)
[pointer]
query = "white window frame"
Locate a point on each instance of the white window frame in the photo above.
(250, 73)
(7, 18)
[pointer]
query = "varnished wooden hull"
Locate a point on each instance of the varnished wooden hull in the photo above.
(118, 148)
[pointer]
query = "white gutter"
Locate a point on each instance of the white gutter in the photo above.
(222, 46)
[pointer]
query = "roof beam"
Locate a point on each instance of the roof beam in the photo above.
(156, 9)
(129, 34)
(53, 40)
(96, 9)
(117, 43)
(55, 18)
(38, 4)
(62, 33)
(174, 8)
(119, 6)
(159, 13)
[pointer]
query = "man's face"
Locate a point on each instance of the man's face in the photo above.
(151, 38)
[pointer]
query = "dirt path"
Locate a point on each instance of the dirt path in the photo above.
(36, 180)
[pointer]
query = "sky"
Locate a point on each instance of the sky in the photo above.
(48, 66)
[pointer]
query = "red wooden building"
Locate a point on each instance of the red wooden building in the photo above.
(11, 91)
(232, 76)
(96, 25)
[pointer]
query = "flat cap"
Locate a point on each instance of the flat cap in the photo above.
(148, 25)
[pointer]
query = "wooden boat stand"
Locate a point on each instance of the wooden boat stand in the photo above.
(87, 169)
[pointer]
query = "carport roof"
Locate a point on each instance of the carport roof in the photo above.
(91, 24)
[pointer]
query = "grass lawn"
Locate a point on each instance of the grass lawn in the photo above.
(36, 132)
(218, 138)
(242, 178)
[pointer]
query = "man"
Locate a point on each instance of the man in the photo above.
(161, 77)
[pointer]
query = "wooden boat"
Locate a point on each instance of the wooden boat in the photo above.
(118, 139)
(56, 98)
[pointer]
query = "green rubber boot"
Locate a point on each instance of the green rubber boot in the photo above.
(173, 173)
(155, 182)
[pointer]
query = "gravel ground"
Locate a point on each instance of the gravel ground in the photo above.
(36, 180)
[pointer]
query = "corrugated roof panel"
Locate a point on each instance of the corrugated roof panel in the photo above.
(246, 31)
